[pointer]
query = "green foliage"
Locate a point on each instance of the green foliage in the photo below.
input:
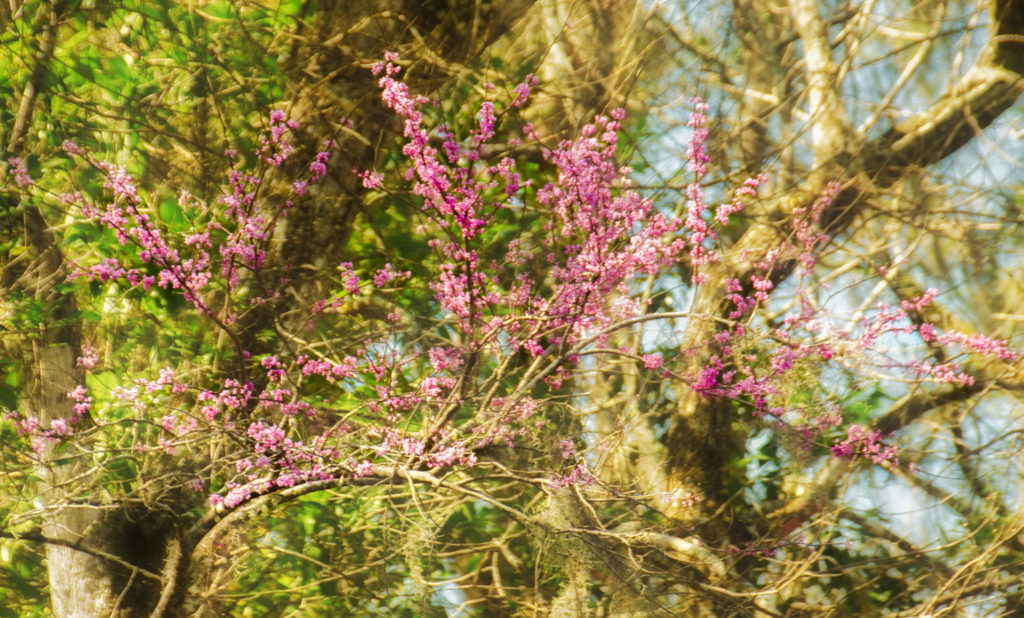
(23, 589)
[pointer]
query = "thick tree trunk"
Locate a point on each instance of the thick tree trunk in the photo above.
(80, 582)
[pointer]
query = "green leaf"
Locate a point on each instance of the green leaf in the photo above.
(171, 213)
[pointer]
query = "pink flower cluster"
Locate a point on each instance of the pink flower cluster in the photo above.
(88, 359)
(279, 462)
(60, 428)
(347, 368)
(276, 147)
(20, 172)
(602, 238)
(523, 90)
(580, 475)
(187, 267)
(699, 220)
(860, 442)
(83, 403)
(388, 274)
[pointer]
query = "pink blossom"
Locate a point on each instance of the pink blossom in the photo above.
(20, 172)
(363, 469)
(653, 361)
(88, 359)
(861, 442)
(318, 168)
(430, 388)
(533, 347)
(523, 90)
(579, 476)
(927, 332)
(237, 495)
(71, 147)
(387, 274)
(59, 426)
(445, 359)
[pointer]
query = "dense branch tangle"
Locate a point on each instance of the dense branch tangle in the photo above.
(874, 166)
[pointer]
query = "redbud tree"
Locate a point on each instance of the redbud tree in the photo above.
(441, 407)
